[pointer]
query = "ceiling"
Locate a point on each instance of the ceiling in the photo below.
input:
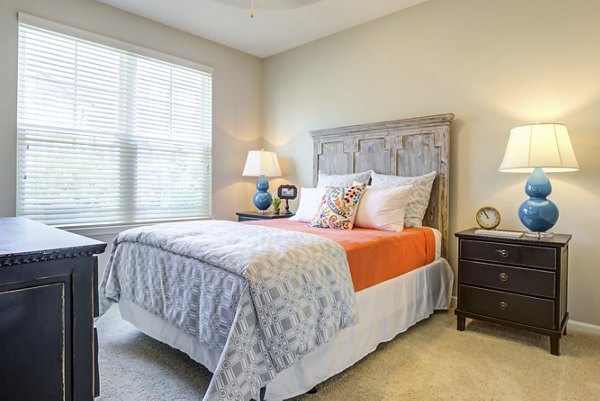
(278, 25)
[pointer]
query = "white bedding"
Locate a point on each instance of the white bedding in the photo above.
(384, 311)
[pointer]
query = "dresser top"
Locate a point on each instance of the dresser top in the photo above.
(557, 240)
(23, 241)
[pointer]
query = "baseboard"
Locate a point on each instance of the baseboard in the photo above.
(573, 325)
(581, 327)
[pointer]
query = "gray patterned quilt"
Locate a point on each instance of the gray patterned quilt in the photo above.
(261, 297)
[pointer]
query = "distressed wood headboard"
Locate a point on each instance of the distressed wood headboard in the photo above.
(408, 147)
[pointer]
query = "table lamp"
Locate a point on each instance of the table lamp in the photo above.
(537, 149)
(262, 164)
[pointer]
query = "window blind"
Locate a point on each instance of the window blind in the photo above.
(106, 136)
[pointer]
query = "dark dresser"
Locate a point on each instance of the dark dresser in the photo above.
(516, 282)
(48, 301)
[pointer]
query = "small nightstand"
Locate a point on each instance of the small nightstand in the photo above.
(520, 283)
(247, 216)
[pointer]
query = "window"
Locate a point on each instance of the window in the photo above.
(107, 136)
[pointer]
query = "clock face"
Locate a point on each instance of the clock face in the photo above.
(488, 217)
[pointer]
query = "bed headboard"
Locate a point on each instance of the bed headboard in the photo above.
(408, 147)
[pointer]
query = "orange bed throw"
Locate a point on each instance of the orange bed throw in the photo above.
(374, 256)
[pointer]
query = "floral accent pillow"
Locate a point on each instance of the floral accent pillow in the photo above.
(338, 208)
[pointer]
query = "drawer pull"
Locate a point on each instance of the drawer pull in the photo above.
(503, 305)
(503, 253)
(503, 277)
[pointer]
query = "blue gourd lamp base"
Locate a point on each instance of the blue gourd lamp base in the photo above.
(537, 213)
(262, 199)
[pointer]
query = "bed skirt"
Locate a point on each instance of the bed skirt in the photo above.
(384, 311)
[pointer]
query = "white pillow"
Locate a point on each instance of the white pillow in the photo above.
(383, 209)
(419, 195)
(310, 202)
(342, 180)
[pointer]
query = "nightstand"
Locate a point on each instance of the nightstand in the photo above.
(516, 282)
(247, 216)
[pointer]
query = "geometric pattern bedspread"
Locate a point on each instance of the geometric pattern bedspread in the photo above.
(261, 297)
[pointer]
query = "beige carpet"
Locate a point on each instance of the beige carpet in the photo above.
(432, 361)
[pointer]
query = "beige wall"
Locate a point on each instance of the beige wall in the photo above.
(495, 64)
(236, 90)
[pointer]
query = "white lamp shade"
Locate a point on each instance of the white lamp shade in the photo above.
(261, 162)
(539, 145)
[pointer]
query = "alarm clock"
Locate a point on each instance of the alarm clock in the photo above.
(488, 217)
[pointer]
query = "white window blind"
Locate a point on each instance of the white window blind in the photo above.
(106, 136)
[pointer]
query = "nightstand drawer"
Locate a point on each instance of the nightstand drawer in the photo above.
(249, 218)
(521, 255)
(516, 279)
(252, 216)
(507, 306)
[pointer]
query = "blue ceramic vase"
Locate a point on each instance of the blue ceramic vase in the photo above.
(537, 213)
(262, 199)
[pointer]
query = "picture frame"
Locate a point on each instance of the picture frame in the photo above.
(287, 192)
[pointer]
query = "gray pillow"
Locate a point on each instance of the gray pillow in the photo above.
(342, 180)
(418, 199)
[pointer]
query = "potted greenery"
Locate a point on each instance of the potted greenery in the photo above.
(276, 204)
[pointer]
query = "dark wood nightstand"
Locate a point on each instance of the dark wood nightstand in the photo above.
(516, 282)
(246, 216)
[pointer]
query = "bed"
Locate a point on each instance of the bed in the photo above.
(355, 324)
